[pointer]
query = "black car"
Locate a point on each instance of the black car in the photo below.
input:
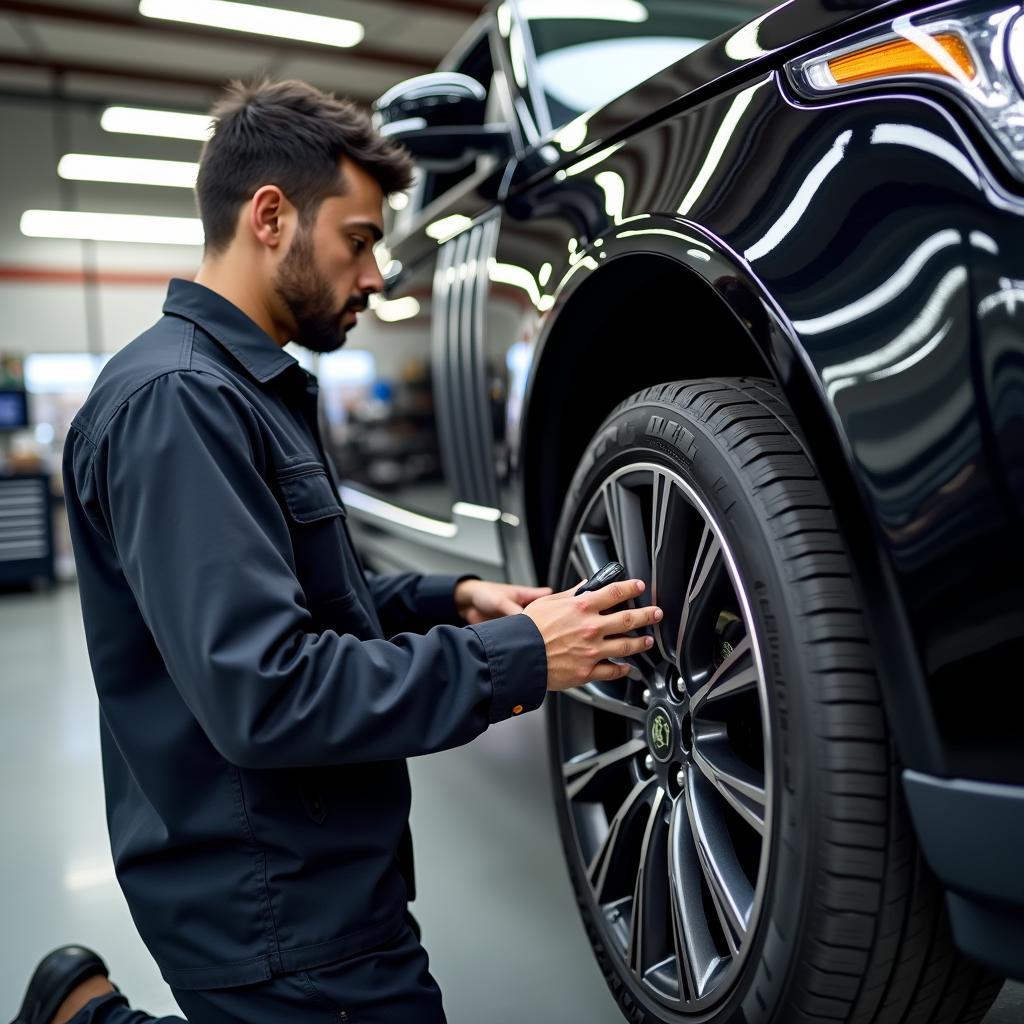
(736, 297)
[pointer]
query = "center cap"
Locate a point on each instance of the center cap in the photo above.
(660, 736)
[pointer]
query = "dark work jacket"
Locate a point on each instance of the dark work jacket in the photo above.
(254, 719)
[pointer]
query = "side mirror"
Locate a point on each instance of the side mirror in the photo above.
(440, 118)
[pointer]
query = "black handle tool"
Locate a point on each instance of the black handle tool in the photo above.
(606, 574)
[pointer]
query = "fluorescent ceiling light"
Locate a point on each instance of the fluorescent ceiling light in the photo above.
(165, 124)
(266, 21)
(112, 227)
(128, 171)
(587, 10)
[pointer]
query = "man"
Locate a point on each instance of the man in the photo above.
(258, 691)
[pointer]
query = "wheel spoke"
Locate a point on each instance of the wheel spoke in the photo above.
(672, 518)
(737, 674)
(629, 545)
(738, 783)
(731, 892)
(697, 958)
(609, 854)
(588, 554)
(626, 525)
(646, 924)
(703, 593)
(581, 771)
(597, 699)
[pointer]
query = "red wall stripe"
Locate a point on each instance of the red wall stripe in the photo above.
(75, 275)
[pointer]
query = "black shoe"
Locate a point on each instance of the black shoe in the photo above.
(53, 981)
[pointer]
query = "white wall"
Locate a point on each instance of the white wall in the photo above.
(42, 305)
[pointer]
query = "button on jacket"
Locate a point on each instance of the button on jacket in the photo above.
(254, 719)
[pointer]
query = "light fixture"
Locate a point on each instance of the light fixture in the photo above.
(949, 56)
(164, 124)
(266, 21)
(128, 171)
(112, 227)
(604, 10)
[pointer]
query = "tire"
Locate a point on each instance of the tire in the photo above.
(779, 843)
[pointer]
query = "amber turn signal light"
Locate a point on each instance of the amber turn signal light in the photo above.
(903, 57)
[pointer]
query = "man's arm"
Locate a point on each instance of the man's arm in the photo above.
(415, 602)
(426, 601)
(203, 541)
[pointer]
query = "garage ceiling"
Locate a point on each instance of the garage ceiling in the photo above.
(104, 50)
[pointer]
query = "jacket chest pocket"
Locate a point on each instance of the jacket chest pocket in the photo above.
(316, 524)
(324, 563)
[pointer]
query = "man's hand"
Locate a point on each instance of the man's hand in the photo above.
(480, 600)
(578, 638)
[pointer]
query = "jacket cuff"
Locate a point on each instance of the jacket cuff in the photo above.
(518, 664)
(435, 599)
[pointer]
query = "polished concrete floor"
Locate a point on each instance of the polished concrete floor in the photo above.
(506, 944)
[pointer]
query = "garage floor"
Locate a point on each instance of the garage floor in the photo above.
(498, 918)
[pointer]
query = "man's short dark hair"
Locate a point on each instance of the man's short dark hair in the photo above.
(291, 135)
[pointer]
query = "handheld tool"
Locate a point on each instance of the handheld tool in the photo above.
(608, 573)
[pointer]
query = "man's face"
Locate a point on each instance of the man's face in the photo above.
(330, 271)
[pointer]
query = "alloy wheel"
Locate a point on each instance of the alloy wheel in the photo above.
(666, 775)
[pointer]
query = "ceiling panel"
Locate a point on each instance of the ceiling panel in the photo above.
(28, 80)
(136, 93)
(121, 6)
(423, 28)
(182, 65)
(11, 40)
(92, 43)
(363, 82)
(424, 36)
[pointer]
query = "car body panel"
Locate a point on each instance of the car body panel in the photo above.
(872, 337)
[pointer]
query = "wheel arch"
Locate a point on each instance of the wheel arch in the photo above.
(594, 354)
(591, 355)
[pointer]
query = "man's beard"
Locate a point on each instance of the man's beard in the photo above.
(310, 299)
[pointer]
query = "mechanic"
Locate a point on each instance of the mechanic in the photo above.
(258, 691)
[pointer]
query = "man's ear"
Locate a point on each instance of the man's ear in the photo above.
(267, 208)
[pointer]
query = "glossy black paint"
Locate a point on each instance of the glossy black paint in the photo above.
(866, 252)
(902, 187)
(926, 469)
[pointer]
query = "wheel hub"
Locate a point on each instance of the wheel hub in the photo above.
(661, 735)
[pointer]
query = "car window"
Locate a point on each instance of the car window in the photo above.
(587, 57)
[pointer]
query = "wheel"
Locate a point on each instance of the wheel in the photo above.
(731, 812)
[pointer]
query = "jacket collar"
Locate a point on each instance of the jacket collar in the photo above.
(229, 327)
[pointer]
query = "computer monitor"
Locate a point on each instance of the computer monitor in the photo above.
(13, 409)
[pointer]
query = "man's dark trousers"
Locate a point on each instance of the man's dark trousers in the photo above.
(388, 985)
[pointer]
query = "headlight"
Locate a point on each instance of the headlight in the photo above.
(980, 56)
